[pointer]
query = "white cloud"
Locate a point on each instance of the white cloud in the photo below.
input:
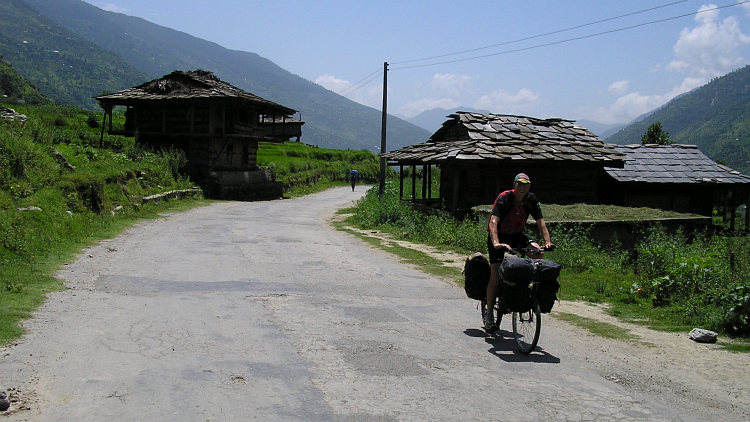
(504, 102)
(450, 83)
(711, 48)
(618, 87)
(415, 107)
(111, 7)
(371, 96)
(332, 83)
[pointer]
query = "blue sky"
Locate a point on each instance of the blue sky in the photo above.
(607, 61)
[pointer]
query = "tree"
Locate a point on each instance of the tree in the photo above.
(655, 134)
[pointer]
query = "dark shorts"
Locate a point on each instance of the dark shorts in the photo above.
(519, 240)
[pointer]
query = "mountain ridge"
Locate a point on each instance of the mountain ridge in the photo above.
(715, 117)
(331, 121)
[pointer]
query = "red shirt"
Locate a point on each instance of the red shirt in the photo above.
(514, 220)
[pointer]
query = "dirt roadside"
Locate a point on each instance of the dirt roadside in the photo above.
(653, 363)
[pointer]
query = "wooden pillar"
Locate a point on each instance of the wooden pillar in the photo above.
(429, 181)
(747, 213)
(424, 182)
(413, 182)
(104, 122)
(401, 181)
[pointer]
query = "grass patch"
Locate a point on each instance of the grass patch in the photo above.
(425, 262)
(601, 329)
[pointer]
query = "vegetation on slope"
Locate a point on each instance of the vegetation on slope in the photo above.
(59, 191)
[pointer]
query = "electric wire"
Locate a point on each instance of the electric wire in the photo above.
(539, 35)
(362, 82)
(574, 38)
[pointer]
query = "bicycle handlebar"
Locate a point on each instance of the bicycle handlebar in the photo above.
(529, 249)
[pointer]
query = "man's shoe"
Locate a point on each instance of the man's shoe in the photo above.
(489, 321)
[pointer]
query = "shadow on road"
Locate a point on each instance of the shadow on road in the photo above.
(503, 347)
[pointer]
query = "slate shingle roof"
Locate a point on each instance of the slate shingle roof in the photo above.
(474, 136)
(672, 164)
(188, 85)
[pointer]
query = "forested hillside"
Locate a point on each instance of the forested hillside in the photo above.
(63, 66)
(331, 120)
(14, 89)
(716, 117)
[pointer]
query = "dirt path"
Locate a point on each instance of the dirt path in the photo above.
(240, 311)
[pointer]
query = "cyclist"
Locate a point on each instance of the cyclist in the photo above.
(505, 231)
(354, 178)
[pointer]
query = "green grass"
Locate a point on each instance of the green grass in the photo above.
(425, 262)
(602, 329)
(94, 200)
(304, 170)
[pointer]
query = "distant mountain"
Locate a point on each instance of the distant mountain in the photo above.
(62, 65)
(716, 117)
(599, 129)
(331, 121)
(14, 89)
(432, 120)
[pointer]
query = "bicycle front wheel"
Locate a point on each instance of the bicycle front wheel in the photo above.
(526, 328)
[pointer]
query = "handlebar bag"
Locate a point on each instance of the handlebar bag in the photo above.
(476, 276)
(516, 269)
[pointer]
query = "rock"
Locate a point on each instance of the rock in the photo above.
(10, 114)
(62, 160)
(703, 336)
(4, 403)
(29, 209)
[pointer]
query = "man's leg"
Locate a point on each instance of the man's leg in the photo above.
(492, 286)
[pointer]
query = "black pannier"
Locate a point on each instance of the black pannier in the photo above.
(476, 276)
(517, 270)
(517, 298)
(546, 274)
(547, 270)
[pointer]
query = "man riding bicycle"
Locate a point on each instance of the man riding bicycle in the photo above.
(505, 231)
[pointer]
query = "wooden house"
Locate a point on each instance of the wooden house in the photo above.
(216, 124)
(479, 154)
(675, 177)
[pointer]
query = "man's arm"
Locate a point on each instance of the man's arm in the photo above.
(544, 232)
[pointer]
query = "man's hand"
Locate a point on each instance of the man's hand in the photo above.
(499, 245)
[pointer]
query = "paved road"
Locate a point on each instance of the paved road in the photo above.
(261, 311)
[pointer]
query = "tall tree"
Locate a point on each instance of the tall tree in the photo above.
(655, 134)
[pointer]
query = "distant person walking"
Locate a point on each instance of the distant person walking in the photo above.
(354, 176)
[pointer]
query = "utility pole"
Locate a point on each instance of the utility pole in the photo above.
(382, 129)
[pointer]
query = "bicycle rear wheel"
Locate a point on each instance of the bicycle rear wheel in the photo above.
(526, 327)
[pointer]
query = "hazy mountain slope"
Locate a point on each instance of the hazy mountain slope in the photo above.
(716, 117)
(14, 89)
(331, 120)
(63, 66)
(432, 120)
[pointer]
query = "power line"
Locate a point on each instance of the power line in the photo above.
(540, 35)
(570, 39)
(361, 83)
